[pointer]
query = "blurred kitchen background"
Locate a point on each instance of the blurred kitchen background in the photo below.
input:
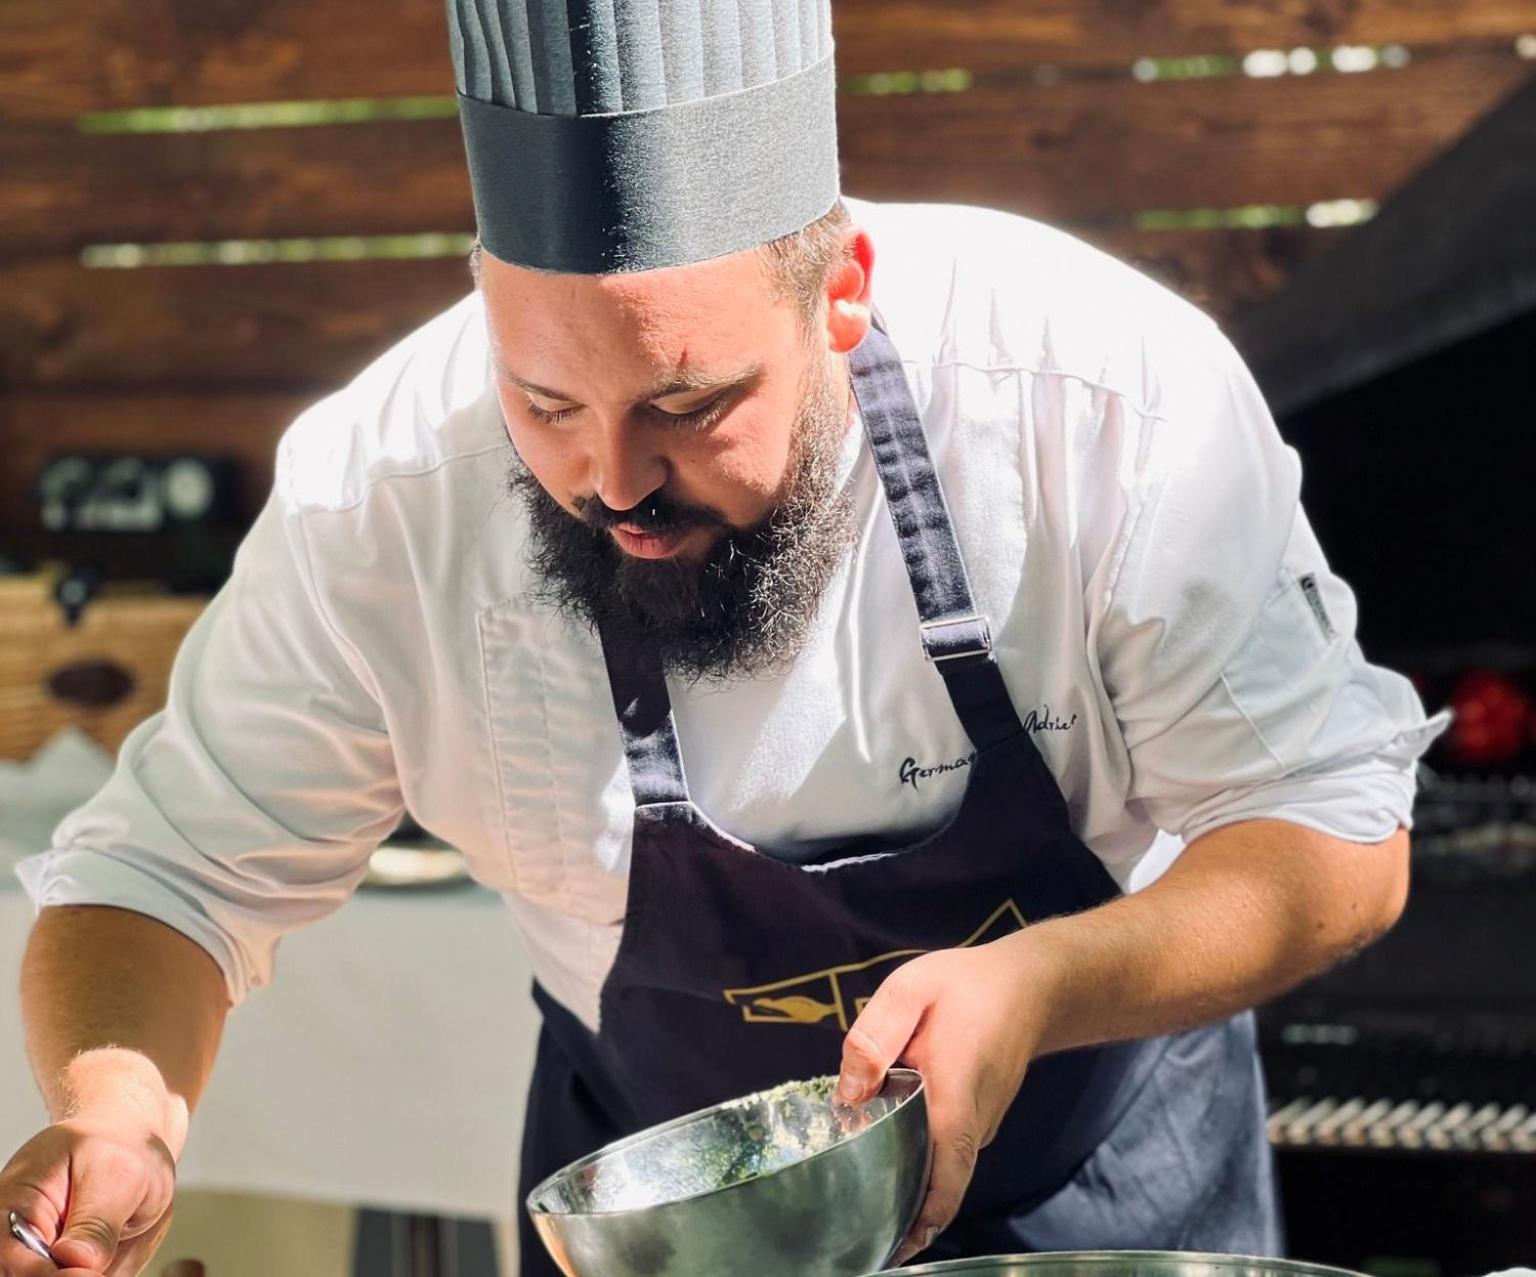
(212, 212)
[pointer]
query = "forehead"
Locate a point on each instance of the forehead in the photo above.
(710, 310)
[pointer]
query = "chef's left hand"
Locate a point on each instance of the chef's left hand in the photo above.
(963, 1018)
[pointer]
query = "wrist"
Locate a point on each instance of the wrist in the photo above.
(1034, 995)
(123, 1090)
(1042, 954)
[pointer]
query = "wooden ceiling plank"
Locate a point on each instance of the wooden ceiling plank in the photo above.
(65, 57)
(1085, 150)
(59, 58)
(295, 330)
(65, 189)
(1074, 151)
(268, 326)
(888, 35)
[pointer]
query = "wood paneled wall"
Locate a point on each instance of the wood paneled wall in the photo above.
(1053, 124)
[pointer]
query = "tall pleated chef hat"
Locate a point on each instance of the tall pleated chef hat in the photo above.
(625, 135)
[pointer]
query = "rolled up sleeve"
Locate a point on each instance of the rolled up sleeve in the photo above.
(1226, 644)
(251, 804)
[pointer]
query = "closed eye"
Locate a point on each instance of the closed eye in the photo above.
(700, 418)
(695, 418)
(549, 415)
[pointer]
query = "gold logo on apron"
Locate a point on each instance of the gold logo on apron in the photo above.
(840, 993)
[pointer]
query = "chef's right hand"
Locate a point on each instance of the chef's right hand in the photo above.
(113, 1177)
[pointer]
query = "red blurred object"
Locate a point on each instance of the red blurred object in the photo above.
(1493, 719)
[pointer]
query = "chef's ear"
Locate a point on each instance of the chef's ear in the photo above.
(848, 315)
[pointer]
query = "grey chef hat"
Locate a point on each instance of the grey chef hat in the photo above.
(621, 135)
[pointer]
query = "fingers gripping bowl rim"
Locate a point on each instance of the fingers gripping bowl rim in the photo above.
(783, 1180)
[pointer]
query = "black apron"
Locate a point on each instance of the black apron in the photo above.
(738, 971)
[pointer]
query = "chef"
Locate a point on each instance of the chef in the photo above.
(846, 634)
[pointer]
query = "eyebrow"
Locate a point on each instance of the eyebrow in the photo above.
(685, 381)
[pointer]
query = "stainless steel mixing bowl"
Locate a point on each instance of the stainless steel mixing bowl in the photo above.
(1119, 1263)
(785, 1181)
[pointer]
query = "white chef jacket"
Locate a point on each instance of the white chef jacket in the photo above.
(1163, 617)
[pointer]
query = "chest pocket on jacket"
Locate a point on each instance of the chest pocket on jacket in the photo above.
(566, 807)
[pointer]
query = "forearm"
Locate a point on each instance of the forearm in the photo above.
(123, 1016)
(1247, 911)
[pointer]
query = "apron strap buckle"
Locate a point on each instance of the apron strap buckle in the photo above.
(954, 638)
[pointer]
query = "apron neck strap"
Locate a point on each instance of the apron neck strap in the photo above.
(954, 635)
(646, 726)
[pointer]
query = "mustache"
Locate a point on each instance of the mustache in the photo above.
(656, 513)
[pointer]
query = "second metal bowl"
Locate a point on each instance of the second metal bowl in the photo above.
(1118, 1263)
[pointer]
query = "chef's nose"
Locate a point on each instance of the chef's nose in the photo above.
(628, 467)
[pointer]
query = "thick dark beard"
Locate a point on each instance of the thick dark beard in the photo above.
(745, 609)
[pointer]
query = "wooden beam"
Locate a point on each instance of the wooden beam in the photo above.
(64, 189)
(891, 35)
(1072, 151)
(37, 425)
(272, 326)
(302, 329)
(59, 58)
(1088, 150)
